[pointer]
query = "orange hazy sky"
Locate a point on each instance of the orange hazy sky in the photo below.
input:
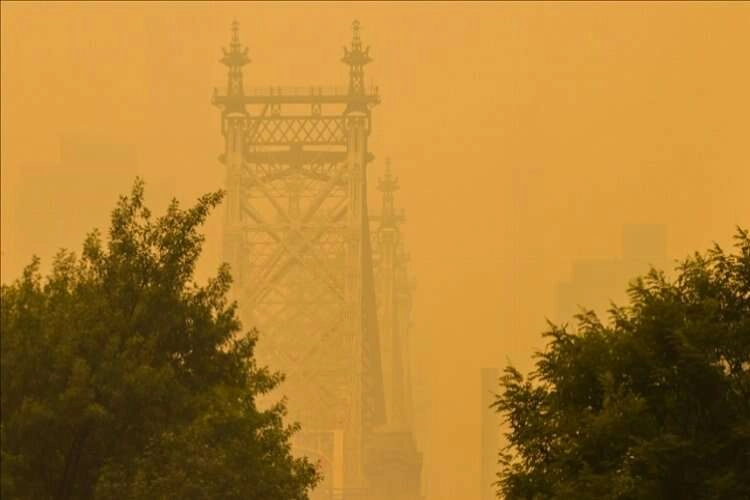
(524, 136)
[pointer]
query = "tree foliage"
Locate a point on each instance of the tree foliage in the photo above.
(654, 404)
(123, 378)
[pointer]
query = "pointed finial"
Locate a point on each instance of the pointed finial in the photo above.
(235, 32)
(234, 59)
(356, 55)
(356, 41)
(236, 56)
(388, 184)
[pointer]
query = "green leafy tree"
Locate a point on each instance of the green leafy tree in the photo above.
(655, 404)
(123, 378)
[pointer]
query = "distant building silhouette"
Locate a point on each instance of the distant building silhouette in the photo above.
(57, 204)
(595, 283)
(491, 436)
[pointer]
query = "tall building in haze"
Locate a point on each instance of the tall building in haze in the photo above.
(55, 204)
(596, 283)
(491, 436)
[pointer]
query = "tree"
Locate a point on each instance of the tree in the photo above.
(654, 404)
(123, 378)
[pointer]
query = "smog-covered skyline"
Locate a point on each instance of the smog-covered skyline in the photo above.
(524, 136)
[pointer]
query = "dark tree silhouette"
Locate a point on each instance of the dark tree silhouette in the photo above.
(122, 378)
(655, 404)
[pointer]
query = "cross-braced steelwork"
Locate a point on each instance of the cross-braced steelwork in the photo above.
(394, 462)
(297, 238)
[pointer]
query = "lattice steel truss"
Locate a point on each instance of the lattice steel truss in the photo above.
(395, 463)
(297, 238)
(394, 302)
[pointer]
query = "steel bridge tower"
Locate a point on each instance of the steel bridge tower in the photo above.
(297, 238)
(395, 465)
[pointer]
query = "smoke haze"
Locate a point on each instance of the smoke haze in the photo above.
(525, 136)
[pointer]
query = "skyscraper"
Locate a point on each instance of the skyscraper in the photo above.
(490, 426)
(595, 283)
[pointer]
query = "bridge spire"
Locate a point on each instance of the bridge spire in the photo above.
(388, 185)
(234, 59)
(356, 57)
